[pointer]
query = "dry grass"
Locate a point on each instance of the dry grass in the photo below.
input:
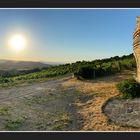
(91, 111)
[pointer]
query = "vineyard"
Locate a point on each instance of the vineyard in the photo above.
(81, 69)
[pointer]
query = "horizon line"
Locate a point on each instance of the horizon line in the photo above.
(60, 62)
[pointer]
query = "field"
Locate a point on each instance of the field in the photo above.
(54, 99)
(97, 93)
(88, 70)
(60, 104)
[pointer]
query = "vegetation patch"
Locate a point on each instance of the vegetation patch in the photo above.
(104, 67)
(4, 110)
(14, 124)
(80, 69)
(87, 72)
(61, 122)
(129, 88)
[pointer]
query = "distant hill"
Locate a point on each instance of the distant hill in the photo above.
(54, 63)
(20, 65)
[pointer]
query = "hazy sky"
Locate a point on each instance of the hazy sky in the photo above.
(68, 35)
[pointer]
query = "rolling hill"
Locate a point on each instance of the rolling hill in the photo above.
(20, 65)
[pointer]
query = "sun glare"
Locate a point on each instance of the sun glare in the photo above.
(17, 42)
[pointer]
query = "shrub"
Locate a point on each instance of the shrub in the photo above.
(5, 80)
(129, 88)
(86, 72)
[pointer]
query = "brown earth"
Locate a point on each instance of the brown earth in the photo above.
(91, 111)
(64, 104)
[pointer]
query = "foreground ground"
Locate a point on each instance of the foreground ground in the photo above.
(62, 104)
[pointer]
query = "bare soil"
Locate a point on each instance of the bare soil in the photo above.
(102, 90)
(65, 104)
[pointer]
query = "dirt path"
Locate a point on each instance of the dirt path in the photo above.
(29, 90)
(45, 106)
(99, 91)
(64, 104)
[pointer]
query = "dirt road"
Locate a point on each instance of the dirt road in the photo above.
(65, 104)
(45, 106)
(16, 93)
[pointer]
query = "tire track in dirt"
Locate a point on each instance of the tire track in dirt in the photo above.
(29, 90)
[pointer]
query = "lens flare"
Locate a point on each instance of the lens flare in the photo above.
(17, 42)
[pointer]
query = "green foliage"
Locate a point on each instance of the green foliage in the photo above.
(4, 110)
(104, 67)
(86, 72)
(5, 80)
(15, 124)
(81, 69)
(129, 88)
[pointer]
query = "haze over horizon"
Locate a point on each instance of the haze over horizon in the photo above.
(67, 35)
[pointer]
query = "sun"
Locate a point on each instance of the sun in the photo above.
(17, 42)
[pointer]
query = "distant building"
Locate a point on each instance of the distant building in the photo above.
(136, 47)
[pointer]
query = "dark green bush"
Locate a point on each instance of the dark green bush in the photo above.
(5, 80)
(86, 72)
(129, 88)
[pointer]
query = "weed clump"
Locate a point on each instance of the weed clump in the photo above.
(129, 88)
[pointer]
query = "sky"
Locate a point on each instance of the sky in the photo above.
(68, 35)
